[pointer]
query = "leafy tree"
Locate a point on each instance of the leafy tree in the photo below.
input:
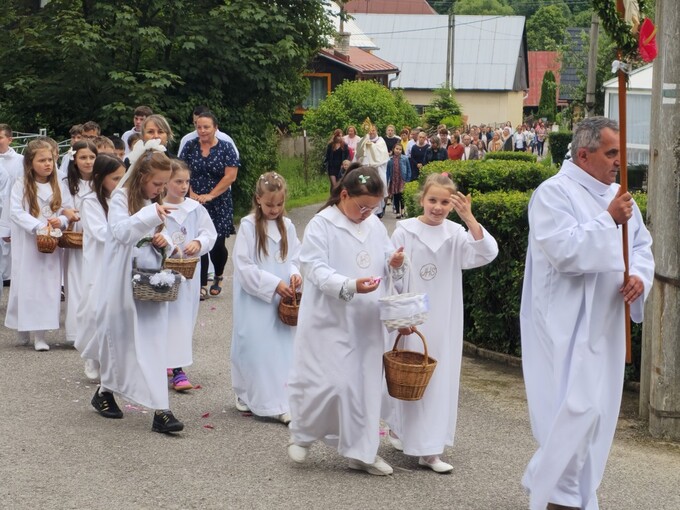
(547, 106)
(76, 60)
(444, 109)
(546, 28)
(483, 7)
(352, 101)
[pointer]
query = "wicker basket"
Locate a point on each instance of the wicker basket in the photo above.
(143, 290)
(288, 309)
(185, 267)
(71, 239)
(47, 242)
(407, 372)
(402, 310)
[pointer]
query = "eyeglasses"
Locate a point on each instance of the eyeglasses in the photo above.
(363, 209)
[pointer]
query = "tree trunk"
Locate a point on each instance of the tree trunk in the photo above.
(660, 378)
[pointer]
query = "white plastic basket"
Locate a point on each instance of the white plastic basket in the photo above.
(402, 310)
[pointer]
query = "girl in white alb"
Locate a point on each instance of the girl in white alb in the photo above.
(131, 338)
(78, 182)
(336, 380)
(193, 234)
(38, 203)
(438, 250)
(266, 269)
(94, 208)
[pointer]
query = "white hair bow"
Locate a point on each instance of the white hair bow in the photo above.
(139, 149)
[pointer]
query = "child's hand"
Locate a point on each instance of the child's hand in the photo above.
(163, 211)
(7, 239)
(159, 241)
(397, 258)
(54, 222)
(284, 290)
(462, 205)
(72, 215)
(296, 281)
(366, 285)
(192, 248)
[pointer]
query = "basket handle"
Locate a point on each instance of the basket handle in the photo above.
(292, 287)
(425, 358)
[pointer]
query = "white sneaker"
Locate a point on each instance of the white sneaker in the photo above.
(298, 453)
(378, 468)
(395, 442)
(435, 464)
(241, 406)
(284, 418)
(40, 345)
(92, 370)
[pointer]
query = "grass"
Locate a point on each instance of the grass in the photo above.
(301, 192)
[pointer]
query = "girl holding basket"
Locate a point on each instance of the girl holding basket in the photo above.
(439, 250)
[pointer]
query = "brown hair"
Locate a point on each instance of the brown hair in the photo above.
(269, 182)
(4, 128)
(142, 171)
(104, 165)
(73, 174)
(91, 125)
(30, 187)
(143, 111)
(364, 180)
(178, 165)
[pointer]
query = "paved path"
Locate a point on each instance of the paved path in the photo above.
(56, 452)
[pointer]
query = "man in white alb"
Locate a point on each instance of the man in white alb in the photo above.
(572, 316)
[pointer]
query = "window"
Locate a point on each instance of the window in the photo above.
(319, 88)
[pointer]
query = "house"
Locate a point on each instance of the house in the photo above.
(576, 59)
(389, 7)
(638, 111)
(490, 64)
(539, 63)
(348, 57)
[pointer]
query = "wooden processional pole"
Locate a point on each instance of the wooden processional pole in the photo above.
(623, 173)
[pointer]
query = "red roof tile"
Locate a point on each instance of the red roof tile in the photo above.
(362, 61)
(539, 63)
(389, 7)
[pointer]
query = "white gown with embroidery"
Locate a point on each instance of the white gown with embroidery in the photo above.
(262, 345)
(336, 381)
(437, 255)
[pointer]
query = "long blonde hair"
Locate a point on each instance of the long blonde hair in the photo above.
(30, 185)
(141, 173)
(269, 182)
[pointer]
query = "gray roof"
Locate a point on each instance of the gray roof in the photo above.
(489, 53)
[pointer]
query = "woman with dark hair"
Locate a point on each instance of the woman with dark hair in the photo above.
(336, 152)
(214, 166)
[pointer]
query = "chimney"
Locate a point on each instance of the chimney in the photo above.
(341, 49)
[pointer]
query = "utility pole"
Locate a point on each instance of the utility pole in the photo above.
(660, 378)
(592, 65)
(449, 51)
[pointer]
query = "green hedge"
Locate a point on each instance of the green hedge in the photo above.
(513, 156)
(493, 292)
(559, 144)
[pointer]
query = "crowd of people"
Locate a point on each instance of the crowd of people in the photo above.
(324, 377)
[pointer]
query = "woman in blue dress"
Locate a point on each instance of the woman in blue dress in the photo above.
(214, 167)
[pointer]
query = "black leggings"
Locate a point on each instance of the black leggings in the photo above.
(398, 201)
(219, 256)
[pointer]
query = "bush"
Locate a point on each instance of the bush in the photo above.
(511, 156)
(351, 102)
(444, 109)
(559, 144)
(547, 105)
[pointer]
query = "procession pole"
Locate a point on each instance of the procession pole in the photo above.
(624, 179)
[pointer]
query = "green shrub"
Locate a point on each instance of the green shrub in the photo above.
(559, 144)
(492, 293)
(547, 105)
(511, 156)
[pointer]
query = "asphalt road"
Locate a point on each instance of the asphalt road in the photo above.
(56, 452)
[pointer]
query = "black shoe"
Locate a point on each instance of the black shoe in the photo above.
(165, 421)
(106, 405)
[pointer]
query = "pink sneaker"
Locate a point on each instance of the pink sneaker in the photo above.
(169, 372)
(180, 382)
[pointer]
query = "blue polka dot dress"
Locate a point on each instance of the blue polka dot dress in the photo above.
(206, 172)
